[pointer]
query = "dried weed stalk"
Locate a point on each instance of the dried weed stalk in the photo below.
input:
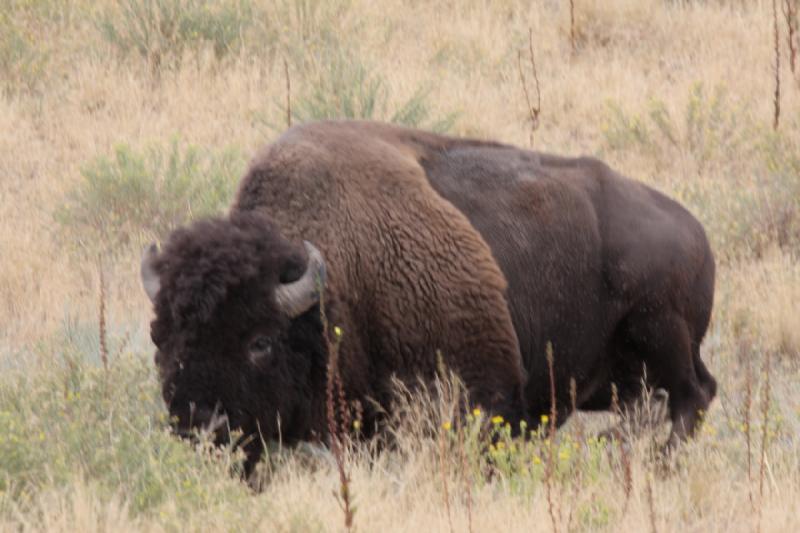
(288, 94)
(777, 95)
(651, 505)
(744, 356)
(444, 456)
(572, 26)
(444, 460)
(624, 454)
(533, 111)
(102, 318)
(765, 401)
(337, 432)
(790, 14)
(576, 479)
(467, 476)
(551, 436)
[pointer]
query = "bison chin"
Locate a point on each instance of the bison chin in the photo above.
(203, 424)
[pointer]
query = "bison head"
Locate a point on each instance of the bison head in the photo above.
(237, 328)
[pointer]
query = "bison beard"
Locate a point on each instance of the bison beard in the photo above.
(424, 244)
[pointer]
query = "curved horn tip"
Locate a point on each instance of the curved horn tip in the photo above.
(150, 281)
(315, 255)
(297, 297)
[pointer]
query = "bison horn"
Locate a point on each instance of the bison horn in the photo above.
(150, 280)
(297, 297)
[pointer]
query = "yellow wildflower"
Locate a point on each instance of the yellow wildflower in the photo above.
(497, 420)
(447, 426)
(545, 419)
(337, 331)
(537, 460)
(476, 411)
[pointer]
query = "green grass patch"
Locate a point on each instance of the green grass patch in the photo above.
(135, 194)
(64, 417)
(738, 175)
(22, 62)
(160, 31)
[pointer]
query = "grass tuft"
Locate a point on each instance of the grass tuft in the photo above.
(160, 31)
(143, 194)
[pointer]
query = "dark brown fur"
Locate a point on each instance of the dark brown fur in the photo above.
(615, 274)
(408, 271)
(407, 276)
(217, 283)
(420, 233)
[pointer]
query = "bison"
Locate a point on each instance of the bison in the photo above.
(424, 244)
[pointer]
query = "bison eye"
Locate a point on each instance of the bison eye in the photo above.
(260, 348)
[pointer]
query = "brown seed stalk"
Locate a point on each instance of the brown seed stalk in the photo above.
(102, 319)
(624, 456)
(533, 111)
(443, 462)
(572, 25)
(765, 401)
(790, 14)
(288, 94)
(551, 460)
(651, 504)
(336, 439)
(777, 95)
(467, 477)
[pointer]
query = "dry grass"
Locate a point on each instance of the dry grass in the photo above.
(73, 457)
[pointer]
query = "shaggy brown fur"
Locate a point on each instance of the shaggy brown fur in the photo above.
(419, 233)
(617, 276)
(218, 278)
(407, 271)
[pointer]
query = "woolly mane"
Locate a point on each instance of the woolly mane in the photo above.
(203, 264)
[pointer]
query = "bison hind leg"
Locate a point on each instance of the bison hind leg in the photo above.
(664, 342)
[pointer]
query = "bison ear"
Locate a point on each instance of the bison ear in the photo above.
(150, 280)
(297, 297)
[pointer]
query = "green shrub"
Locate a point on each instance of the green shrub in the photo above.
(342, 86)
(161, 30)
(22, 63)
(68, 418)
(738, 175)
(299, 25)
(136, 194)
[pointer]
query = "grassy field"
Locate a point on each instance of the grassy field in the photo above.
(120, 120)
